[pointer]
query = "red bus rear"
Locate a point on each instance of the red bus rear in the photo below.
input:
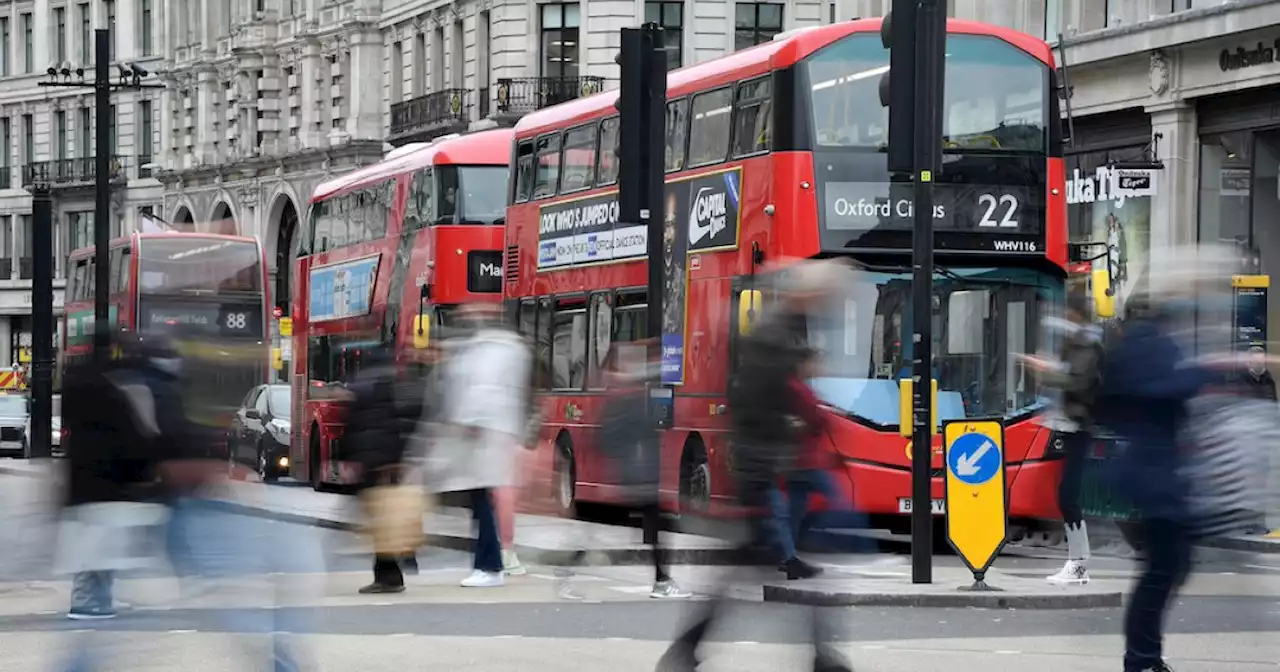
(777, 152)
(387, 248)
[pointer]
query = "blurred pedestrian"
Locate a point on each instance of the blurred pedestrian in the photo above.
(630, 442)
(481, 421)
(1077, 377)
(1148, 382)
(379, 422)
(768, 438)
(1256, 380)
(123, 420)
(507, 498)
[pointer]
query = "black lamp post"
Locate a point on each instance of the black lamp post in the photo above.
(130, 78)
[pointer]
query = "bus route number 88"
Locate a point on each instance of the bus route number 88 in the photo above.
(237, 321)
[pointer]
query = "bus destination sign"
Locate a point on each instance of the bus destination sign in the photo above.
(1000, 218)
(701, 210)
(226, 320)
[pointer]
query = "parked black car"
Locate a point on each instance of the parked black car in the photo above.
(259, 434)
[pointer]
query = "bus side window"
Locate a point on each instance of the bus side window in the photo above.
(542, 344)
(339, 223)
(710, 127)
(524, 171)
(608, 169)
(579, 160)
(630, 328)
(569, 344)
(376, 220)
(356, 232)
(76, 289)
(751, 122)
(599, 359)
(547, 175)
(117, 274)
(677, 133)
(323, 225)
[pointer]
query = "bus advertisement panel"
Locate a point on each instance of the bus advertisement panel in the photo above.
(774, 153)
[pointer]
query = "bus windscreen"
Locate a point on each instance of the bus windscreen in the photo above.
(198, 266)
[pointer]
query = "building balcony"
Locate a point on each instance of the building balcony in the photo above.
(69, 173)
(425, 118)
(143, 162)
(518, 96)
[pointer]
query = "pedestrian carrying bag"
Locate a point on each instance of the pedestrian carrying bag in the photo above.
(394, 515)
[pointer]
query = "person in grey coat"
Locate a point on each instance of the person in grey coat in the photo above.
(481, 421)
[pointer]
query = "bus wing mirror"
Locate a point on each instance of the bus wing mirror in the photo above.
(1104, 295)
(750, 301)
(422, 331)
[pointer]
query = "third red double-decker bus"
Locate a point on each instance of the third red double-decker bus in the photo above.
(778, 152)
(389, 250)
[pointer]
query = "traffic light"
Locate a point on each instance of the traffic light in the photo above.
(641, 105)
(897, 86)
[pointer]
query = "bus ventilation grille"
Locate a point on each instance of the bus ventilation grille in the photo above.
(511, 267)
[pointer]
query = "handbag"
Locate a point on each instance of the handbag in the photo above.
(394, 513)
(1229, 439)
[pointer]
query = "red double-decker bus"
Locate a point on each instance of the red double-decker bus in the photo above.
(389, 250)
(778, 152)
(208, 292)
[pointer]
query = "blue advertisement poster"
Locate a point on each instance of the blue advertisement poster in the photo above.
(343, 290)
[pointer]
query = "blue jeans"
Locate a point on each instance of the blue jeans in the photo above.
(779, 527)
(839, 513)
(488, 550)
(1165, 567)
(92, 592)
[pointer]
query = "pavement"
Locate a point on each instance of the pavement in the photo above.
(300, 580)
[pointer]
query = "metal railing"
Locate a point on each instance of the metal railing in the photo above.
(518, 95)
(443, 110)
(68, 172)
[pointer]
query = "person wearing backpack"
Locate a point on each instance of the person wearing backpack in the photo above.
(1077, 376)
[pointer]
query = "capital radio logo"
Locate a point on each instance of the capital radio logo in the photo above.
(547, 252)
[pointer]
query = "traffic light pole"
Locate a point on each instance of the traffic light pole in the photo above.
(39, 442)
(641, 153)
(102, 195)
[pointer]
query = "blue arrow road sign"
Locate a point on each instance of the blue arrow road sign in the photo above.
(974, 458)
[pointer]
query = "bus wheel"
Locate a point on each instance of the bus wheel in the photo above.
(566, 476)
(695, 478)
(313, 460)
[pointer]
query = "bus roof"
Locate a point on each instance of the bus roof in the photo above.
(784, 50)
(88, 250)
(483, 148)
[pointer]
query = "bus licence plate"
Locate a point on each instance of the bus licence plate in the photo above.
(939, 506)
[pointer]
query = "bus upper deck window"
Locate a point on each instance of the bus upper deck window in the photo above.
(524, 171)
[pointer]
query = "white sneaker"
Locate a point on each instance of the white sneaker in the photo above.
(1073, 573)
(511, 564)
(668, 590)
(565, 590)
(483, 579)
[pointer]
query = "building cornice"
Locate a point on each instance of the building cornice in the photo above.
(268, 165)
(1171, 31)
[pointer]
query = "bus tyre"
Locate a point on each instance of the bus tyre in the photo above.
(695, 479)
(566, 477)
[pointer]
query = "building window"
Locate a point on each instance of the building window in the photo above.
(28, 45)
(84, 134)
(4, 47)
(28, 138)
(60, 37)
(6, 248)
(146, 136)
(147, 22)
(24, 262)
(111, 26)
(112, 121)
(1052, 20)
(60, 134)
(560, 40)
(670, 16)
(6, 130)
(397, 72)
(756, 23)
(86, 34)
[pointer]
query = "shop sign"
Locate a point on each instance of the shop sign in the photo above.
(1241, 58)
(1110, 184)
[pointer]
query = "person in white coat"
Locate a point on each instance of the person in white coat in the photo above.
(480, 426)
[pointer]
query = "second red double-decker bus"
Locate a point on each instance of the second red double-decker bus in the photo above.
(389, 250)
(778, 152)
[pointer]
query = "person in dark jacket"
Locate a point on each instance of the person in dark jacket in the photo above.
(769, 438)
(381, 417)
(124, 421)
(1256, 381)
(1147, 384)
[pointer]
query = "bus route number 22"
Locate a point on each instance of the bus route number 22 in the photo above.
(1000, 211)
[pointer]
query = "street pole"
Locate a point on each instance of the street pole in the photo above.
(41, 321)
(102, 196)
(930, 46)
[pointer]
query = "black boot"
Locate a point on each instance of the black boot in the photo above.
(799, 569)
